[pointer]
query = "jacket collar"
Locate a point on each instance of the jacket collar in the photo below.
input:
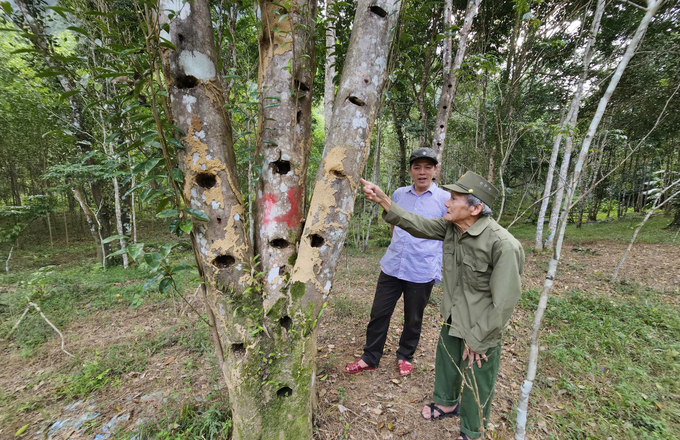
(479, 226)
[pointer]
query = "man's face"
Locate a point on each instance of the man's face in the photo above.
(457, 209)
(422, 172)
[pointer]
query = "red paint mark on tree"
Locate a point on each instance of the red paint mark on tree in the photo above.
(269, 203)
(292, 217)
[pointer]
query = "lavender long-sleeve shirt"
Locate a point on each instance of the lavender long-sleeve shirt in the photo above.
(415, 259)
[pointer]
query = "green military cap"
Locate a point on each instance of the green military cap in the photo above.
(473, 183)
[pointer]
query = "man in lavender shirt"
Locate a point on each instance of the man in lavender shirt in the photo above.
(411, 266)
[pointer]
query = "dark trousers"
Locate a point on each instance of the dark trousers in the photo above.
(387, 293)
(472, 388)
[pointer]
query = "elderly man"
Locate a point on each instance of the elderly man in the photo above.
(411, 266)
(483, 264)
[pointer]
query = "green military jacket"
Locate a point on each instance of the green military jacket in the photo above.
(481, 280)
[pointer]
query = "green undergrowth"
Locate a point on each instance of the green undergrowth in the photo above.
(610, 366)
(204, 420)
(65, 293)
(610, 230)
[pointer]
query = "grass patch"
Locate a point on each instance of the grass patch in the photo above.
(611, 230)
(615, 361)
(205, 420)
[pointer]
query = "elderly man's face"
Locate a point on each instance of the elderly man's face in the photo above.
(457, 209)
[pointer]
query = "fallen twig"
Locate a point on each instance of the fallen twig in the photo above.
(51, 325)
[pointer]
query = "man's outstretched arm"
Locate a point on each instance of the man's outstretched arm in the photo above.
(375, 194)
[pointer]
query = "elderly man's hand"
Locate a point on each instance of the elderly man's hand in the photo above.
(373, 193)
(473, 357)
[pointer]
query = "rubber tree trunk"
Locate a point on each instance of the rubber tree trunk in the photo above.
(329, 86)
(284, 137)
(33, 25)
(91, 223)
(657, 204)
(525, 391)
(451, 76)
(568, 126)
(221, 246)
(356, 106)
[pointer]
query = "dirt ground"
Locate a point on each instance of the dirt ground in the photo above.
(371, 405)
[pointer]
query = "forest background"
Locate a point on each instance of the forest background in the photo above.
(89, 143)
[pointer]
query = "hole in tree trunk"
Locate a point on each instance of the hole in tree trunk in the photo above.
(356, 101)
(299, 116)
(450, 85)
(186, 82)
(224, 261)
(206, 180)
(238, 349)
(180, 37)
(439, 144)
(377, 10)
(338, 174)
(445, 107)
(284, 392)
(219, 220)
(317, 240)
(279, 243)
(281, 167)
(299, 85)
(441, 126)
(286, 322)
(282, 270)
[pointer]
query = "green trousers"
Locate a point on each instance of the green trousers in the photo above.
(475, 392)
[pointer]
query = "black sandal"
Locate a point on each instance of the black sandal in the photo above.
(443, 414)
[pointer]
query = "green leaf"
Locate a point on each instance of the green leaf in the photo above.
(24, 50)
(168, 213)
(64, 96)
(174, 142)
(78, 30)
(174, 224)
(150, 164)
(135, 250)
(167, 44)
(151, 282)
(165, 285)
(180, 268)
(25, 427)
(200, 215)
(118, 252)
(177, 175)
(165, 250)
(113, 238)
(8, 10)
(153, 259)
(186, 225)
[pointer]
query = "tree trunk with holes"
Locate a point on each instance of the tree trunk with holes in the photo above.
(451, 74)
(221, 246)
(329, 86)
(266, 311)
(284, 137)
